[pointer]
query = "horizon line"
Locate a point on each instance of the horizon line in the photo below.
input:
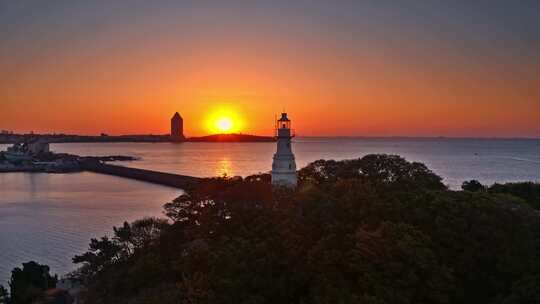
(302, 136)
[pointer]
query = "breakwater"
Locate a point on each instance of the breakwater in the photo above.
(167, 179)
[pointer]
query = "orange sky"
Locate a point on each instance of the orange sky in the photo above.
(129, 77)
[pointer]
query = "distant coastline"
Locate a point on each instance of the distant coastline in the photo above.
(231, 138)
(68, 138)
(11, 138)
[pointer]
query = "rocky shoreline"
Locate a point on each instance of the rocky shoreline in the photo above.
(56, 162)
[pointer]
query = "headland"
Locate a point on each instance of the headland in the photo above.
(176, 135)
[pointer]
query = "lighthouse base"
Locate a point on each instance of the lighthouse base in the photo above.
(287, 179)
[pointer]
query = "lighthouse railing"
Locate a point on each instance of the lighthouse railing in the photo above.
(276, 132)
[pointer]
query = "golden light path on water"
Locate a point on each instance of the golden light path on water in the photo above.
(224, 168)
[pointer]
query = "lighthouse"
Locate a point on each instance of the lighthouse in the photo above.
(284, 166)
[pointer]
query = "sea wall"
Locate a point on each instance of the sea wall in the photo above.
(167, 179)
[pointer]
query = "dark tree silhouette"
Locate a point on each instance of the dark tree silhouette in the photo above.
(473, 186)
(28, 284)
(4, 295)
(373, 230)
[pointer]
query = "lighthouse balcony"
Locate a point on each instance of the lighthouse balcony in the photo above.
(286, 133)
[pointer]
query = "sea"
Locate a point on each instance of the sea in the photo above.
(49, 218)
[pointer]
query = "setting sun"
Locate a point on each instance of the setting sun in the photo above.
(224, 120)
(224, 124)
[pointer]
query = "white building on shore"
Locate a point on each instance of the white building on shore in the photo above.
(284, 165)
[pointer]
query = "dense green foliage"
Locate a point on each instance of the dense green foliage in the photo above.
(28, 284)
(529, 192)
(373, 230)
(473, 186)
(4, 295)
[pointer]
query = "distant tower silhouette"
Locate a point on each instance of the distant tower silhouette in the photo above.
(284, 165)
(177, 127)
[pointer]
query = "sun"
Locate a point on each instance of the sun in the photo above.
(224, 120)
(224, 124)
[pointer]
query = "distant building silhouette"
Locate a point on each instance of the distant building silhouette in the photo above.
(177, 128)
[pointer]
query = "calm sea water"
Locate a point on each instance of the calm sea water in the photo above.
(455, 160)
(51, 217)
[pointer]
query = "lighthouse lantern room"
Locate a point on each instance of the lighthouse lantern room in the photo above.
(284, 165)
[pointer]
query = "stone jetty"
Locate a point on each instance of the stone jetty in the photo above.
(162, 178)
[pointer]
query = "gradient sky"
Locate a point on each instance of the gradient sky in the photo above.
(352, 68)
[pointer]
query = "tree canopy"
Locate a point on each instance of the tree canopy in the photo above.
(27, 284)
(377, 229)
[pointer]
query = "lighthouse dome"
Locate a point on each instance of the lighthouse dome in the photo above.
(284, 117)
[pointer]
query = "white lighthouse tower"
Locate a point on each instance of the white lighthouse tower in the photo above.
(284, 166)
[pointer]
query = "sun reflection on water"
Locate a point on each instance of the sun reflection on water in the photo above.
(224, 168)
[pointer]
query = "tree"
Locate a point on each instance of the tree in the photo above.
(393, 263)
(127, 239)
(394, 169)
(381, 169)
(138, 234)
(101, 253)
(524, 291)
(473, 186)
(29, 283)
(529, 192)
(372, 230)
(4, 295)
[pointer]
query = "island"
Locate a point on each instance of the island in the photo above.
(232, 138)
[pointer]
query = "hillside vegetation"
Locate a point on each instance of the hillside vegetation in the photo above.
(373, 230)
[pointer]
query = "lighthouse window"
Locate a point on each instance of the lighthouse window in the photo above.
(283, 126)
